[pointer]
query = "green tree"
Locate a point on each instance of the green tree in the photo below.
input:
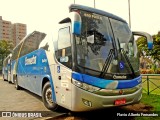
(143, 49)
(142, 45)
(5, 49)
(156, 49)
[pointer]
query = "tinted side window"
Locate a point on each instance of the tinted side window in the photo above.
(63, 53)
(15, 52)
(31, 43)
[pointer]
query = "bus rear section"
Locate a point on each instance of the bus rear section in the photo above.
(7, 68)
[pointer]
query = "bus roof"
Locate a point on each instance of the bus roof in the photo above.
(90, 9)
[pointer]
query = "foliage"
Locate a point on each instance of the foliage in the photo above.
(156, 50)
(143, 49)
(150, 71)
(147, 71)
(5, 47)
(142, 45)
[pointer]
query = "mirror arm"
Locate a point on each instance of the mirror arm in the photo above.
(146, 35)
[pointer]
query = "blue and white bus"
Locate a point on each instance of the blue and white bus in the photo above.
(6, 69)
(92, 64)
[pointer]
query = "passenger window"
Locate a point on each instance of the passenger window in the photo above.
(16, 51)
(31, 43)
(63, 53)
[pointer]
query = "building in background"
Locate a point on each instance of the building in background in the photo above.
(18, 32)
(0, 27)
(12, 32)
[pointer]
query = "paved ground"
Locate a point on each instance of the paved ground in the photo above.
(23, 102)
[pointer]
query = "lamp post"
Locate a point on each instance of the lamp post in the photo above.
(94, 4)
(129, 13)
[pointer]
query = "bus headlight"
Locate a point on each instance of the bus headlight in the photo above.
(77, 83)
(85, 86)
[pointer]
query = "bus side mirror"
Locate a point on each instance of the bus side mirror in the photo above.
(75, 19)
(147, 36)
(76, 22)
(76, 28)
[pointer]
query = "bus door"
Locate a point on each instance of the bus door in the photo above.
(63, 68)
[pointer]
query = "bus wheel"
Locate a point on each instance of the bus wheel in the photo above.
(47, 97)
(4, 78)
(9, 82)
(16, 83)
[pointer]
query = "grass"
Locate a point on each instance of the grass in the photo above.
(154, 83)
(152, 100)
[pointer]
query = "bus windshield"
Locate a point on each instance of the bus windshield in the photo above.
(125, 43)
(96, 45)
(95, 42)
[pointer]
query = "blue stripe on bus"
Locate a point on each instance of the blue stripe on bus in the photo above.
(31, 65)
(106, 84)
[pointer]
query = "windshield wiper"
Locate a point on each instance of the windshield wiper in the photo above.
(107, 63)
(128, 61)
(124, 53)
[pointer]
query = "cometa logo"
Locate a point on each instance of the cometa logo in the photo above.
(119, 77)
(30, 61)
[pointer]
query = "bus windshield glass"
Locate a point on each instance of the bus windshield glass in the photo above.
(106, 45)
(95, 41)
(125, 43)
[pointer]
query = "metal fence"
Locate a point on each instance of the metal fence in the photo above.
(151, 82)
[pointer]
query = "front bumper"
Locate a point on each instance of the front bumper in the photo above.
(85, 101)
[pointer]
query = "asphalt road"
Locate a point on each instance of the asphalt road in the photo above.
(22, 103)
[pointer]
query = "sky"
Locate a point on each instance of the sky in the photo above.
(44, 15)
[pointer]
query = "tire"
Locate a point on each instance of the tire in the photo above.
(9, 82)
(16, 83)
(47, 97)
(3, 78)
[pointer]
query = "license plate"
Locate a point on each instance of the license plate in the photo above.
(120, 101)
